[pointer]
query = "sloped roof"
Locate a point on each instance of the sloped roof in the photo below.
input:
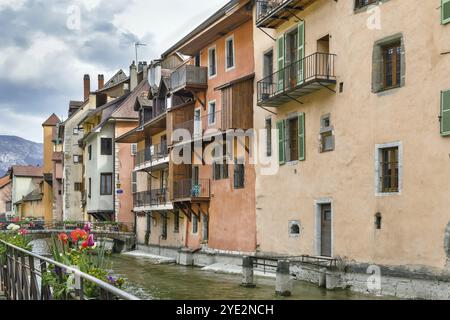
(126, 108)
(4, 181)
(53, 120)
(116, 79)
(27, 171)
(35, 195)
(75, 104)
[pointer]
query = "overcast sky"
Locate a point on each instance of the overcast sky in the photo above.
(45, 49)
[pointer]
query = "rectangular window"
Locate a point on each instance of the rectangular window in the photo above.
(220, 170)
(176, 224)
(212, 112)
(106, 146)
(229, 48)
(291, 139)
(326, 134)
(90, 152)
(212, 62)
(388, 169)
(90, 188)
(239, 174)
(75, 131)
(77, 159)
(194, 224)
(8, 206)
(78, 186)
(268, 66)
(269, 137)
(391, 66)
(106, 184)
(197, 60)
(134, 182)
(445, 113)
(164, 227)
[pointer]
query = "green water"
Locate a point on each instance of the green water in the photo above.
(150, 281)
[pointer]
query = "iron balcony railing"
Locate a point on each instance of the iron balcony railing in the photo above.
(197, 126)
(152, 153)
(314, 68)
(190, 188)
(156, 197)
(21, 278)
(189, 76)
(265, 7)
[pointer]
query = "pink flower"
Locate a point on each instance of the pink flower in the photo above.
(87, 227)
(90, 241)
(23, 232)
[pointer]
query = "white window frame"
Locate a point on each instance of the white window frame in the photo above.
(378, 148)
(212, 76)
(76, 131)
(76, 156)
(209, 112)
(230, 38)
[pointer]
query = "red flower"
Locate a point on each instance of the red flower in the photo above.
(78, 235)
(84, 245)
(63, 238)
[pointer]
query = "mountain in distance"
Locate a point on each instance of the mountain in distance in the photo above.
(18, 151)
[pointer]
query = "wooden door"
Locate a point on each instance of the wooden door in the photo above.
(325, 237)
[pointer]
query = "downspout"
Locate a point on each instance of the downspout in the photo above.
(116, 218)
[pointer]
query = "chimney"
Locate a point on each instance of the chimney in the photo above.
(145, 71)
(101, 81)
(133, 76)
(87, 86)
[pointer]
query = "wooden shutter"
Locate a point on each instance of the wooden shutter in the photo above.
(281, 140)
(301, 137)
(445, 11)
(281, 59)
(445, 113)
(301, 52)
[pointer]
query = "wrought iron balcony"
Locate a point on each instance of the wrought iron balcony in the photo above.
(189, 77)
(151, 155)
(272, 13)
(151, 198)
(188, 189)
(297, 79)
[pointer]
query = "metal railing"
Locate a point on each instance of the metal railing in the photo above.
(154, 197)
(318, 66)
(189, 75)
(197, 126)
(265, 7)
(188, 188)
(21, 278)
(151, 153)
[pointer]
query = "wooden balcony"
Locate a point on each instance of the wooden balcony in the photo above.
(152, 157)
(189, 77)
(297, 79)
(190, 190)
(272, 13)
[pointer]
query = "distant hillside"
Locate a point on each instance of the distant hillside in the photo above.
(18, 151)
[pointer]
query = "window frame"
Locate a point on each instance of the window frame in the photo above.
(210, 103)
(106, 152)
(443, 20)
(379, 148)
(326, 131)
(195, 221)
(103, 189)
(221, 174)
(75, 131)
(227, 40)
(78, 157)
(268, 129)
(238, 174)
(359, 6)
(210, 49)
(396, 65)
(90, 152)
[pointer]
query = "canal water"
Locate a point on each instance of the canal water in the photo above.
(153, 281)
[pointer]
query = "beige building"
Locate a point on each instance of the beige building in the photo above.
(358, 95)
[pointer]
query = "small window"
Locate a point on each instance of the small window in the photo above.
(239, 174)
(294, 228)
(212, 112)
(106, 184)
(212, 59)
(326, 134)
(229, 48)
(220, 170)
(269, 137)
(90, 188)
(164, 227)
(76, 131)
(78, 186)
(197, 60)
(389, 168)
(378, 221)
(90, 152)
(77, 159)
(106, 147)
(194, 224)
(8, 206)
(176, 224)
(392, 66)
(268, 66)
(134, 182)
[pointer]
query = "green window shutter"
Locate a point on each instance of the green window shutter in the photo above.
(281, 139)
(301, 52)
(445, 113)
(281, 58)
(445, 11)
(301, 137)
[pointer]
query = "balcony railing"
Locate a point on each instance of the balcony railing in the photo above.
(151, 154)
(188, 189)
(156, 197)
(197, 126)
(265, 7)
(272, 13)
(297, 79)
(189, 76)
